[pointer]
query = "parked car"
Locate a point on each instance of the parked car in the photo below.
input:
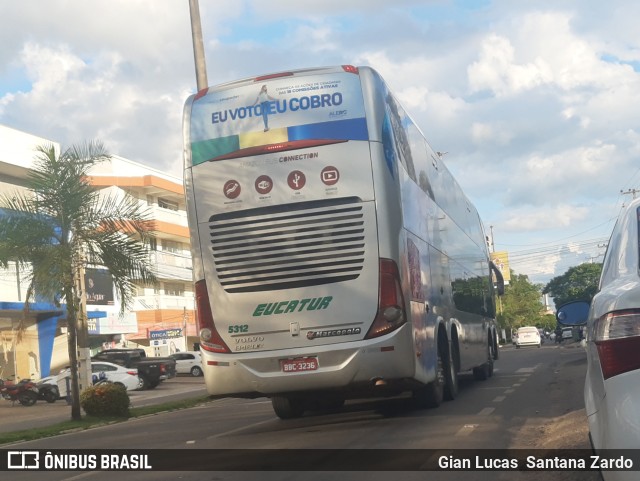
(151, 370)
(124, 376)
(188, 362)
(612, 386)
(528, 336)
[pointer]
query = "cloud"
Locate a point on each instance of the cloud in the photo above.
(497, 71)
(528, 220)
(534, 101)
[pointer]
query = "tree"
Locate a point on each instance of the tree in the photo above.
(578, 283)
(521, 304)
(62, 224)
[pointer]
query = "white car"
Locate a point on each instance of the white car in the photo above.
(612, 386)
(123, 376)
(188, 362)
(528, 336)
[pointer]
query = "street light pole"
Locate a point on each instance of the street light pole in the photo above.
(84, 349)
(198, 45)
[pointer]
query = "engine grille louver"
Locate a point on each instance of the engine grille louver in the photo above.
(283, 247)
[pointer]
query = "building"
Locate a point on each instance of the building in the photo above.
(162, 316)
(162, 310)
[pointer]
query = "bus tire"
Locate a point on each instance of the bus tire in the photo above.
(451, 373)
(432, 395)
(484, 371)
(287, 407)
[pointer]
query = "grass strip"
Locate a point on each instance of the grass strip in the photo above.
(88, 422)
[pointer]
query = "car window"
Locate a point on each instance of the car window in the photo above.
(527, 330)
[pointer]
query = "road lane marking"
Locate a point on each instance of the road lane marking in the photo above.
(486, 411)
(81, 476)
(509, 391)
(466, 429)
(240, 429)
(499, 399)
(526, 370)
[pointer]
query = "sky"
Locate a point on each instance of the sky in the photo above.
(535, 102)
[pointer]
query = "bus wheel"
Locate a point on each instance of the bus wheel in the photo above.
(451, 374)
(431, 395)
(287, 407)
(485, 371)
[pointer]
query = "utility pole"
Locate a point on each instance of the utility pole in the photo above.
(185, 317)
(84, 349)
(492, 245)
(198, 45)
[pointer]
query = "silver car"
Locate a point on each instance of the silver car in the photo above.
(612, 386)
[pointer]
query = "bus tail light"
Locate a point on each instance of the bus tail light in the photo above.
(391, 313)
(350, 69)
(201, 93)
(617, 337)
(210, 340)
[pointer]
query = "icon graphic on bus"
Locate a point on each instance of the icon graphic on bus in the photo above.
(232, 189)
(264, 184)
(330, 175)
(296, 180)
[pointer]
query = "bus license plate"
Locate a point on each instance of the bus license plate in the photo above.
(299, 365)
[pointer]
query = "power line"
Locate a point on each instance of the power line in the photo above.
(562, 238)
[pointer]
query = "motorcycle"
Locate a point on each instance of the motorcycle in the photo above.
(25, 391)
(48, 392)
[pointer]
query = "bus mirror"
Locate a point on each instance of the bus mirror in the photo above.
(498, 278)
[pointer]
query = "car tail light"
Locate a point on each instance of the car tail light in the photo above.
(617, 337)
(132, 373)
(210, 340)
(391, 313)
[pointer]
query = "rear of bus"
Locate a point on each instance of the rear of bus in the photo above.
(295, 294)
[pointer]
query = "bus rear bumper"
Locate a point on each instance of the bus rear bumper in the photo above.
(354, 365)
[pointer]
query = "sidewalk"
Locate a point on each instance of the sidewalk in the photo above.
(17, 417)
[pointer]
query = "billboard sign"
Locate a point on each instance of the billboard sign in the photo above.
(325, 106)
(99, 287)
(501, 260)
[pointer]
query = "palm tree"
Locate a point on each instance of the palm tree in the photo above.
(63, 224)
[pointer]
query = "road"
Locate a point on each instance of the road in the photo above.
(533, 392)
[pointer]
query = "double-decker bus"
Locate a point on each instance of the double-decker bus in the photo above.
(334, 254)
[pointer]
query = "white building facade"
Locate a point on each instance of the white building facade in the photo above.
(161, 319)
